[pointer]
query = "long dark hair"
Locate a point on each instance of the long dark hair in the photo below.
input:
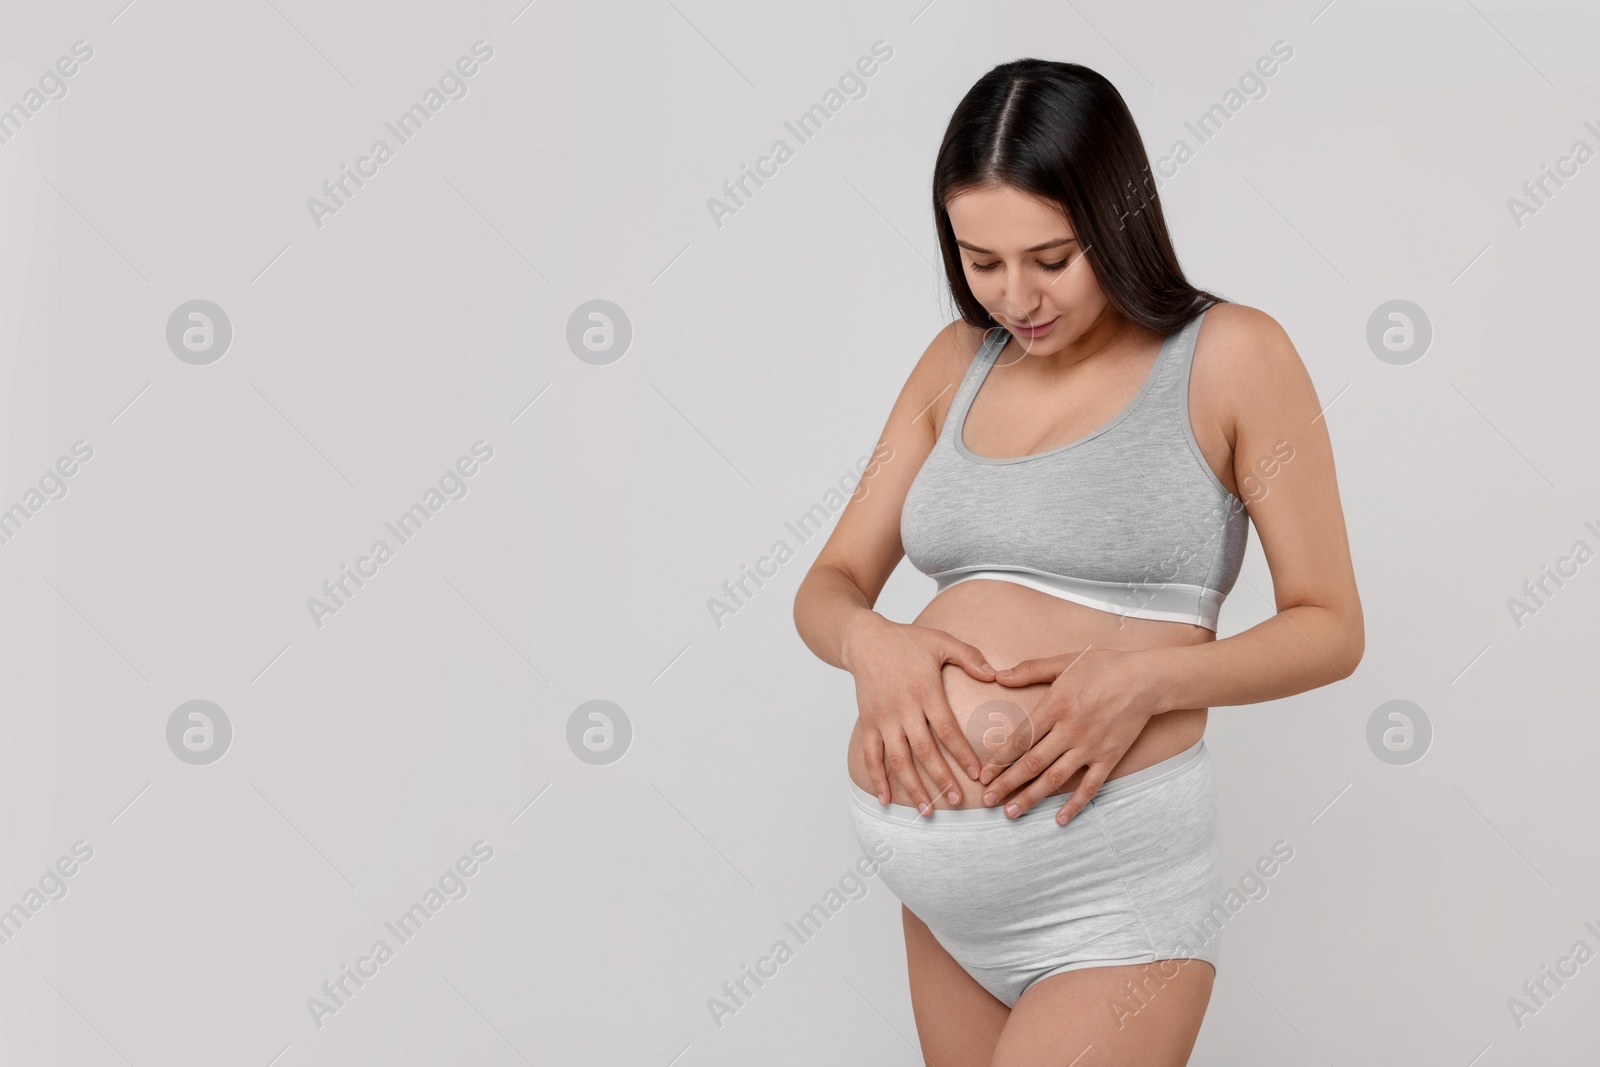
(1063, 133)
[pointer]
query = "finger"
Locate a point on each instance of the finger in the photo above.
(1049, 781)
(1032, 671)
(1079, 798)
(932, 760)
(942, 718)
(1028, 766)
(1052, 667)
(969, 659)
(874, 756)
(1007, 738)
(898, 755)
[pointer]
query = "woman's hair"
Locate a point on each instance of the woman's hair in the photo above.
(1062, 133)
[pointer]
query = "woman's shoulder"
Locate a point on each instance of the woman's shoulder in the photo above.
(1243, 332)
(1243, 361)
(1238, 344)
(944, 363)
(954, 346)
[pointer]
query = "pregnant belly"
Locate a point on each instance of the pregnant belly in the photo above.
(1009, 623)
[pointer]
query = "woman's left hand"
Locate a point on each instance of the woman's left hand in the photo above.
(1098, 702)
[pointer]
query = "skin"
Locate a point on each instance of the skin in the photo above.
(1087, 695)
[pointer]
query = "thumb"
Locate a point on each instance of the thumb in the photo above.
(1032, 671)
(969, 659)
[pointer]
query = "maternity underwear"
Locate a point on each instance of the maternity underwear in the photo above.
(1133, 878)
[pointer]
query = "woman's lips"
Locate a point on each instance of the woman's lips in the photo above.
(1032, 331)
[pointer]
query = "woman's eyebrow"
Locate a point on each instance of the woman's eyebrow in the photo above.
(1035, 248)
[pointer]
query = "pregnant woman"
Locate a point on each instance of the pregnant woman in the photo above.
(1076, 461)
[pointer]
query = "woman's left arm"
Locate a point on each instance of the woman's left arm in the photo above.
(1317, 635)
(1100, 699)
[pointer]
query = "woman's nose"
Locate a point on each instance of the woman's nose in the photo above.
(1017, 296)
(1017, 311)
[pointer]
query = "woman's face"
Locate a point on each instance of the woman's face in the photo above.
(1025, 266)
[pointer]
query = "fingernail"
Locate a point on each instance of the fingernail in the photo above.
(989, 797)
(883, 798)
(1013, 810)
(926, 807)
(954, 796)
(972, 772)
(985, 666)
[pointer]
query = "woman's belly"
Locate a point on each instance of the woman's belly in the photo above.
(1009, 623)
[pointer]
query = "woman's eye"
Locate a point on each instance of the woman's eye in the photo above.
(985, 267)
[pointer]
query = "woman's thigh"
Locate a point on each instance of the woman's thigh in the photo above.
(1147, 1015)
(958, 1021)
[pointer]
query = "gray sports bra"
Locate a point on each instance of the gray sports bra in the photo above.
(1129, 519)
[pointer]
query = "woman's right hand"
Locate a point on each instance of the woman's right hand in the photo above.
(898, 668)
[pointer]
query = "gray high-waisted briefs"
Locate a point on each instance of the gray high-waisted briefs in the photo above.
(1134, 878)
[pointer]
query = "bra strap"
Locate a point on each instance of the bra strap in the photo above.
(977, 370)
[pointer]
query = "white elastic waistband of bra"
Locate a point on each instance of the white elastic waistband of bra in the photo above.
(1165, 601)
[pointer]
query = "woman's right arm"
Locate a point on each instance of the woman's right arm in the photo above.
(897, 667)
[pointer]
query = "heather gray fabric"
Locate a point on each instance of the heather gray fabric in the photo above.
(1134, 878)
(1129, 519)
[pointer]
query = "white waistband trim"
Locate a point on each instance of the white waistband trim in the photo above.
(1165, 601)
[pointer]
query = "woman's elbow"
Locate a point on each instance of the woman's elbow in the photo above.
(1355, 645)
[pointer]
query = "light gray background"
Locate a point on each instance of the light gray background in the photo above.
(432, 311)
